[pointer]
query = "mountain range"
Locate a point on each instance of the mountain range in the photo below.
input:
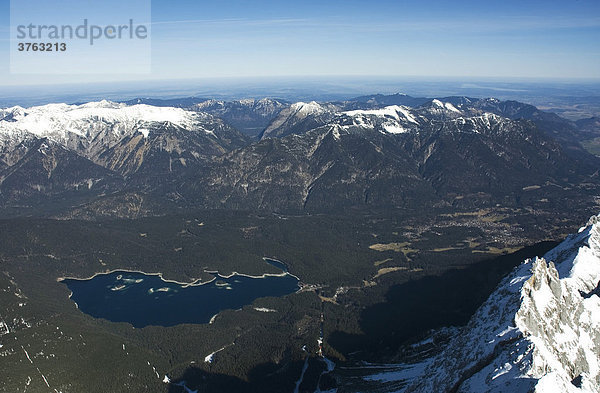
(375, 151)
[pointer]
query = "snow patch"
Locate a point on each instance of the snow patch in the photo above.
(394, 129)
(393, 111)
(144, 132)
(303, 109)
(263, 309)
(451, 107)
(210, 357)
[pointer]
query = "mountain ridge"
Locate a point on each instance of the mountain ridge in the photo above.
(442, 151)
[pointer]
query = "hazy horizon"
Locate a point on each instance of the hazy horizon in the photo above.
(436, 40)
(281, 87)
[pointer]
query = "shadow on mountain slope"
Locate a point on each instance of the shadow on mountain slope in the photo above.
(413, 308)
(266, 377)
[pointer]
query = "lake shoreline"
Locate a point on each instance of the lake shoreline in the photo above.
(195, 282)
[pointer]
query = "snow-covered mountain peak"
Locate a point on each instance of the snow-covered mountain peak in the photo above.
(12, 113)
(444, 105)
(102, 104)
(397, 112)
(62, 122)
(441, 109)
(303, 109)
(577, 258)
(394, 119)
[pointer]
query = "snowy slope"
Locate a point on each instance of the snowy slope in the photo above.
(119, 137)
(393, 119)
(74, 125)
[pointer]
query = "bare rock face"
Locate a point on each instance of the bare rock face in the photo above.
(299, 118)
(562, 320)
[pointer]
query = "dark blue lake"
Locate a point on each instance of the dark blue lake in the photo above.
(144, 299)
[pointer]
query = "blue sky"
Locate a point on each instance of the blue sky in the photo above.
(463, 39)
